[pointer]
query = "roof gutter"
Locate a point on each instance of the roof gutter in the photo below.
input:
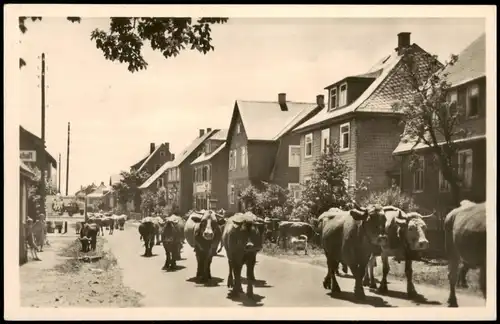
(324, 122)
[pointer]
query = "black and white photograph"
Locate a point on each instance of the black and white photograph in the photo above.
(318, 158)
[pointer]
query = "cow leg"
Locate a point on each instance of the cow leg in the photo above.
(199, 263)
(237, 266)
(167, 261)
(452, 278)
(208, 265)
(230, 283)
(334, 288)
(385, 271)
(250, 262)
(94, 242)
(358, 272)
(462, 276)
(410, 287)
(327, 281)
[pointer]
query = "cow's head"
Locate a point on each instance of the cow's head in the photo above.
(170, 229)
(209, 224)
(411, 229)
(249, 232)
(373, 218)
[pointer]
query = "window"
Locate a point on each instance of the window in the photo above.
(157, 167)
(333, 98)
(294, 156)
(235, 161)
(325, 140)
(209, 173)
(452, 100)
(207, 148)
(465, 168)
(444, 185)
(243, 156)
(472, 103)
(418, 175)
(308, 145)
(232, 195)
(194, 174)
(295, 189)
(162, 153)
(344, 137)
(160, 182)
(238, 128)
(343, 95)
(231, 158)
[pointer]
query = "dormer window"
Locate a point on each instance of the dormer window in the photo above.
(238, 130)
(207, 148)
(333, 98)
(343, 95)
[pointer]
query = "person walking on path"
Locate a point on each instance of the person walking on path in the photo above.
(39, 232)
(30, 239)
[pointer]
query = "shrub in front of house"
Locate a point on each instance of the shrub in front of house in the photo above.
(391, 197)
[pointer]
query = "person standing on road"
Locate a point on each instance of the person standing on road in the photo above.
(39, 231)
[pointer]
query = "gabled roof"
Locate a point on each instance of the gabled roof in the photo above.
(204, 157)
(25, 170)
(221, 135)
(264, 120)
(191, 148)
(38, 141)
(149, 158)
(156, 175)
(374, 98)
(471, 63)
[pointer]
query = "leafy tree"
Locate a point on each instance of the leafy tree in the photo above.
(35, 206)
(430, 118)
(272, 201)
(128, 187)
(327, 188)
(161, 200)
(251, 200)
(148, 202)
(126, 36)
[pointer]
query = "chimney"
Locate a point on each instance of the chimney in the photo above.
(403, 42)
(102, 183)
(202, 132)
(151, 148)
(320, 100)
(167, 146)
(282, 101)
(209, 130)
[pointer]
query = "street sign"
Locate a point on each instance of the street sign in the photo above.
(28, 156)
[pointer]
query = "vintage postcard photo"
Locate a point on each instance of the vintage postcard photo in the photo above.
(250, 162)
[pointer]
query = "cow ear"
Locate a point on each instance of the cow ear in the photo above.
(196, 218)
(237, 224)
(221, 221)
(359, 215)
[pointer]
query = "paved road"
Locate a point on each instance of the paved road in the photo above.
(286, 284)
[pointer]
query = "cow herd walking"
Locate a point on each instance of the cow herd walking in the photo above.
(95, 225)
(352, 239)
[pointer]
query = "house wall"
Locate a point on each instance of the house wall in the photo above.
(261, 157)
(157, 159)
(307, 164)
(377, 137)
(283, 174)
(219, 173)
(23, 209)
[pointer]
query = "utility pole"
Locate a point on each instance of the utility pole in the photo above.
(67, 162)
(59, 176)
(42, 156)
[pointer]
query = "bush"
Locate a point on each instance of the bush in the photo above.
(273, 201)
(391, 197)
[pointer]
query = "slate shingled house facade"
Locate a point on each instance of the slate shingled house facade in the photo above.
(360, 118)
(261, 147)
(468, 91)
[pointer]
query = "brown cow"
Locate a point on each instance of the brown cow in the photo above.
(242, 239)
(465, 239)
(147, 232)
(172, 236)
(108, 222)
(203, 233)
(406, 239)
(88, 236)
(318, 227)
(94, 219)
(289, 229)
(350, 237)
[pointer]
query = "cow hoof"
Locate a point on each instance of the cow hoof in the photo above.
(452, 302)
(373, 285)
(327, 284)
(383, 289)
(366, 283)
(164, 267)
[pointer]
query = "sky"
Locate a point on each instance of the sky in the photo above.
(116, 114)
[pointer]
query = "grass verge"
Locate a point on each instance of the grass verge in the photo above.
(428, 272)
(72, 282)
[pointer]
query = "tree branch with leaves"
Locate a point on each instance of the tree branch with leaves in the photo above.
(430, 118)
(128, 187)
(126, 36)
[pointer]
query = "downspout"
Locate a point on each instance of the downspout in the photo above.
(271, 178)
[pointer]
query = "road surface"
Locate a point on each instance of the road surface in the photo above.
(282, 283)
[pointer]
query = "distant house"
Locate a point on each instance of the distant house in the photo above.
(468, 91)
(156, 157)
(261, 147)
(177, 177)
(360, 118)
(25, 179)
(30, 142)
(102, 194)
(210, 171)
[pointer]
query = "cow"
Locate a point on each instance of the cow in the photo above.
(318, 227)
(147, 232)
(242, 239)
(108, 222)
(172, 236)
(88, 236)
(350, 237)
(289, 229)
(115, 221)
(203, 233)
(405, 240)
(121, 221)
(95, 219)
(299, 242)
(465, 240)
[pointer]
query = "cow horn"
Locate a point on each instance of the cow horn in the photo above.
(400, 219)
(430, 215)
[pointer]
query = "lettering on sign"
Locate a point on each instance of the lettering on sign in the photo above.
(202, 187)
(28, 156)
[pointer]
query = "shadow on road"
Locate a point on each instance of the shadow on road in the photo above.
(245, 301)
(369, 300)
(151, 256)
(219, 255)
(214, 282)
(175, 269)
(257, 283)
(345, 275)
(419, 300)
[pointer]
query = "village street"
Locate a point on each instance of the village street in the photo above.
(281, 283)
